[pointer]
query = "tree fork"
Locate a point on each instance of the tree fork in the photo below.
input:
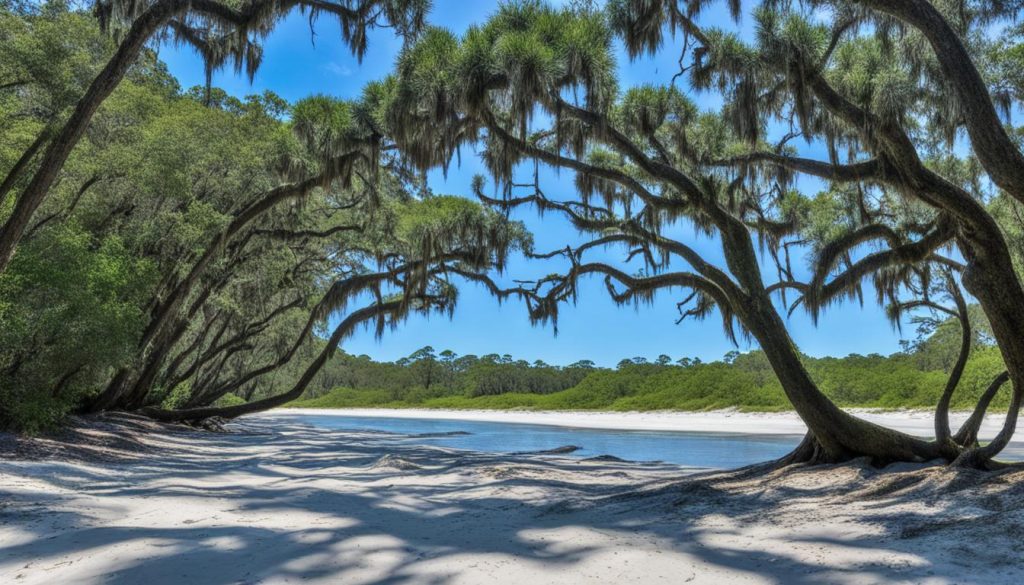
(840, 436)
(967, 436)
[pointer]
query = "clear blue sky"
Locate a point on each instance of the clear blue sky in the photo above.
(297, 64)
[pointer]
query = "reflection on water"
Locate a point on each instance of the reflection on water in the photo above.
(718, 450)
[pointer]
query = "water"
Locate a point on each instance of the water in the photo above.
(717, 450)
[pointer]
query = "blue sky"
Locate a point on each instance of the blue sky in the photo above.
(297, 64)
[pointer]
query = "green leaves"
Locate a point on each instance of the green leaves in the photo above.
(864, 73)
(447, 225)
(53, 56)
(647, 107)
(516, 65)
(530, 69)
(327, 126)
(427, 67)
(903, 380)
(69, 306)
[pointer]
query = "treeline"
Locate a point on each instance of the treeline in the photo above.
(429, 374)
(912, 378)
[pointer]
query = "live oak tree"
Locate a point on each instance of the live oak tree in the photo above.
(337, 148)
(537, 84)
(48, 57)
(363, 207)
(155, 179)
(201, 268)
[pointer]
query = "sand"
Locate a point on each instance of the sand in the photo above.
(121, 500)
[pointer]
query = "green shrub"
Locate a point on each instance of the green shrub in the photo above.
(228, 400)
(177, 397)
(747, 384)
(71, 309)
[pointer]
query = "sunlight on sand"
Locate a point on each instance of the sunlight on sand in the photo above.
(289, 503)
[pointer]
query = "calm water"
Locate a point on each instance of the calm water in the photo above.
(720, 450)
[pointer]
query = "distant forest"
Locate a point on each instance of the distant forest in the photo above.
(442, 379)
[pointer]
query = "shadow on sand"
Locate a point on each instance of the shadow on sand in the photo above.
(372, 508)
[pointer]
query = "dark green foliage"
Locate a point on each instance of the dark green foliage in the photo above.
(153, 180)
(69, 306)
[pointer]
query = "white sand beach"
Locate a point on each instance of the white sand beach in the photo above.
(123, 500)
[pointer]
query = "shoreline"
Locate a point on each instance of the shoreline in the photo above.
(916, 422)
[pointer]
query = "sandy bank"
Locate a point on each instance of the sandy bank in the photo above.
(721, 421)
(123, 501)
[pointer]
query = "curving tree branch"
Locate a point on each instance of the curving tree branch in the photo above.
(344, 329)
(997, 152)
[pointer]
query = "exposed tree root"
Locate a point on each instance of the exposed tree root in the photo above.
(808, 452)
(904, 449)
